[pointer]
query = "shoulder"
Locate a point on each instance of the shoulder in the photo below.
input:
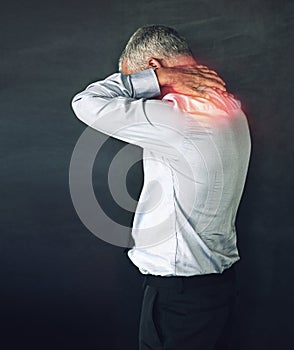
(192, 105)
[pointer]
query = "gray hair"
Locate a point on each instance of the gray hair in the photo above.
(156, 41)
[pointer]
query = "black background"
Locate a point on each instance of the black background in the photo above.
(61, 286)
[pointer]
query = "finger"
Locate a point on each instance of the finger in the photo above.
(204, 95)
(209, 75)
(212, 72)
(204, 71)
(199, 93)
(224, 93)
(213, 83)
(207, 70)
(215, 77)
(219, 91)
(201, 66)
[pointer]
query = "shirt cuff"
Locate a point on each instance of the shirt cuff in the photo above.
(145, 84)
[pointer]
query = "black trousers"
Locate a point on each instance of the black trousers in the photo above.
(188, 313)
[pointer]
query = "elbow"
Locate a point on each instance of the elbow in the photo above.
(87, 108)
(83, 110)
(75, 105)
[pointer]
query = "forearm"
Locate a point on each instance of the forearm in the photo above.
(142, 84)
(123, 106)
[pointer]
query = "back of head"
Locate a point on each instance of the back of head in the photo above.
(152, 41)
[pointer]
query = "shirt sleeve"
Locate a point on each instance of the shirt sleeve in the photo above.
(121, 106)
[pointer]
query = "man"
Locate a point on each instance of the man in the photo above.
(196, 148)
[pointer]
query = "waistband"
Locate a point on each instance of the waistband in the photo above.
(183, 282)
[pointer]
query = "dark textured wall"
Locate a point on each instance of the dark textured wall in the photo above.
(62, 287)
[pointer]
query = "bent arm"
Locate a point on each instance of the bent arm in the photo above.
(121, 106)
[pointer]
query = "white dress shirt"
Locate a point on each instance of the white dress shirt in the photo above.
(195, 157)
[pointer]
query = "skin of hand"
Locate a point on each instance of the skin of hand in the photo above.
(186, 79)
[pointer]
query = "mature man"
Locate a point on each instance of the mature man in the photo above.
(196, 149)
